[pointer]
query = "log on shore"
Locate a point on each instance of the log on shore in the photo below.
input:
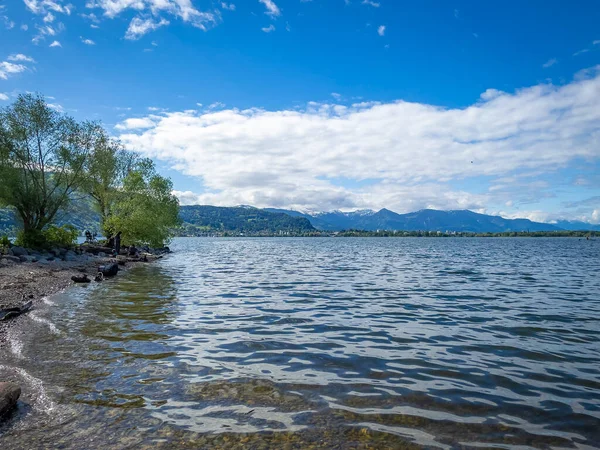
(10, 313)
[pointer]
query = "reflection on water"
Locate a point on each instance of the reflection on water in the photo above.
(322, 343)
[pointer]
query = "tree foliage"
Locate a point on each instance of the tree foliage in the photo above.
(42, 158)
(245, 220)
(106, 169)
(47, 159)
(144, 209)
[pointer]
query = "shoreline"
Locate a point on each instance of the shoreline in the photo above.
(22, 282)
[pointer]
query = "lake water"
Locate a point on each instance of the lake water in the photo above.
(320, 343)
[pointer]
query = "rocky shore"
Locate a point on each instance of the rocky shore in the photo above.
(27, 277)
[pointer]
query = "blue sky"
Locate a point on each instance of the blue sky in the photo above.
(332, 104)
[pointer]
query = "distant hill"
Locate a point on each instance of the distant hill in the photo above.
(251, 220)
(575, 225)
(80, 214)
(241, 219)
(423, 220)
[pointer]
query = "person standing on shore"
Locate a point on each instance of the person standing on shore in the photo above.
(118, 243)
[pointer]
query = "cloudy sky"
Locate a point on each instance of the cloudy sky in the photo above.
(332, 104)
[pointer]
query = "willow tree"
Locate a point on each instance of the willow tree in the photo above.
(106, 169)
(130, 196)
(145, 211)
(42, 159)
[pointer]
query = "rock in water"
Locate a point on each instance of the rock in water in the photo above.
(9, 394)
(110, 270)
(80, 278)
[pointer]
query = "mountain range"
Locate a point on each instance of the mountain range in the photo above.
(251, 220)
(428, 220)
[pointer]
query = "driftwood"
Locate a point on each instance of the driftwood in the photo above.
(10, 313)
(95, 249)
(80, 278)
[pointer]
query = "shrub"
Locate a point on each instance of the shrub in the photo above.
(4, 241)
(31, 239)
(51, 236)
(64, 236)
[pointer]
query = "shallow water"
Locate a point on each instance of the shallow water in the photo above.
(329, 343)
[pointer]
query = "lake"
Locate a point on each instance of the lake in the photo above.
(320, 343)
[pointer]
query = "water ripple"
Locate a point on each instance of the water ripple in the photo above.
(441, 343)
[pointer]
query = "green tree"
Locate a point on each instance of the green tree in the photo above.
(42, 159)
(144, 209)
(106, 169)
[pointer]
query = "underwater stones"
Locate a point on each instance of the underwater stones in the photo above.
(109, 270)
(9, 394)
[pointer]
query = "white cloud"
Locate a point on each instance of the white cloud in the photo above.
(8, 69)
(216, 105)
(3, 97)
(56, 107)
(490, 94)
(24, 27)
(139, 27)
(55, 44)
(42, 7)
(47, 11)
(8, 24)
(228, 6)
(91, 17)
(272, 9)
(268, 29)
(136, 124)
(336, 96)
(590, 47)
(406, 154)
(21, 57)
(371, 3)
(550, 63)
(87, 41)
(182, 9)
(381, 30)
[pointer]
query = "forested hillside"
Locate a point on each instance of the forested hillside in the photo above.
(247, 220)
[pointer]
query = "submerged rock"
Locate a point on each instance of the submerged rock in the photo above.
(109, 270)
(9, 394)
